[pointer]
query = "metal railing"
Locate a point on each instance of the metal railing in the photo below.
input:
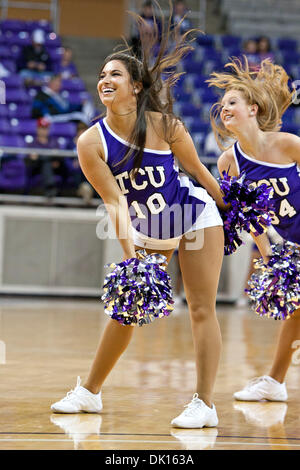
(41, 151)
(51, 6)
(69, 153)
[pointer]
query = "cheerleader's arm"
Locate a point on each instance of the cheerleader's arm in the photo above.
(98, 173)
(264, 246)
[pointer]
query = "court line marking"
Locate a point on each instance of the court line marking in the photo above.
(133, 441)
(219, 436)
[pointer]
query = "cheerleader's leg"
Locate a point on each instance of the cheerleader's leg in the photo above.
(289, 332)
(113, 343)
(200, 273)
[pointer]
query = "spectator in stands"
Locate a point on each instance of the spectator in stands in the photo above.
(46, 166)
(84, 189)
(264, 49)
(180, 10)
(250, 50)
(66, 67)
(34, 62)
(51, 104)
(148, 28)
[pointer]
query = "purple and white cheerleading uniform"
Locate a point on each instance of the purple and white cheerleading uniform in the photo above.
(285, 180)
(163, 202)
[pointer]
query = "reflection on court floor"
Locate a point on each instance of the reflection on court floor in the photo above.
(48, 343)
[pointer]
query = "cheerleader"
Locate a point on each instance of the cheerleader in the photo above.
(129, 158)
(250, 111)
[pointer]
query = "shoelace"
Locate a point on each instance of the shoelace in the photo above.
(256, 380)
(71, 393)
(192, 407)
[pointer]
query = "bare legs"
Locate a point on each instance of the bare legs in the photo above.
(200, 272)
(113, 343)
(289, 332)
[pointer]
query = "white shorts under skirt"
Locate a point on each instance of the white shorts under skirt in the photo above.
(210, 217)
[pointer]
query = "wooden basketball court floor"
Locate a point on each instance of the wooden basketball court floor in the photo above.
(45, 344)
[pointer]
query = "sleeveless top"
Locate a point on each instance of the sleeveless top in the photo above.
(285, 180)
(163, 202)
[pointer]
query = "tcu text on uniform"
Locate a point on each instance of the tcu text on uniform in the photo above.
(156, 202)
(281, 188)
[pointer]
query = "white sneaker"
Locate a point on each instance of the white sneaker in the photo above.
(196, 415)
(262, 388)
(79, 400)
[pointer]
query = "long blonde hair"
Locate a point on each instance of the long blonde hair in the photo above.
(267, 87)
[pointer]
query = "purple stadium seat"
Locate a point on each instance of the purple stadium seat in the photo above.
(181, 81)
(9, 65)
(187, 109)
(40, 24)
(291, 128)
(231, 52)
(13, 174)
(74, 84)
(190, 66)
(211, 54)
(5, 52)
(20, 39)
(289, 116)
(199, 127)
(75, 97)
(12, 25)
(23, 127)
(13, 81)
(15, 51)
(182, 96)
(231, 41)
(63, 129)
(52, 40)
(63, 143)
(3, 111)
(15, 95)
(55, 54)
(213, 66)
(4, 126)
(290, 57)
(209, 96)
(11, 141)
(199, 81)
(287, 44)
(19, 110)
(205, 40)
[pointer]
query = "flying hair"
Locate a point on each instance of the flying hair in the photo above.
(267, 87)
(157, 75)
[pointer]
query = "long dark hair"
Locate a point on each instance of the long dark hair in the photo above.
(156, 79)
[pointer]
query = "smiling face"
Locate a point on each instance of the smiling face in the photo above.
(235, 110)
(115, 85)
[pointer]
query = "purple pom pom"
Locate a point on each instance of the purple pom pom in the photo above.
(250, 209)
(275, 288)
(138, 290)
